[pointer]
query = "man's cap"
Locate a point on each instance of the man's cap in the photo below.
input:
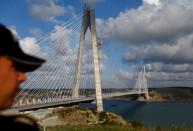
(9, 47)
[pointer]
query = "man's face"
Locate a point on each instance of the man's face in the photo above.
(10, 80)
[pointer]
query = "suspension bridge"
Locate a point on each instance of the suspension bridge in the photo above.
(73, 72)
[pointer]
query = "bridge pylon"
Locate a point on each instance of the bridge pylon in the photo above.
(89, 22)
(141, 84)
(144, 81)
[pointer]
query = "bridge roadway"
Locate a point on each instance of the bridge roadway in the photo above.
(53, 104)
(69, 102)
(122, 94)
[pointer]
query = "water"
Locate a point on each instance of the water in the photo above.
(161, 114)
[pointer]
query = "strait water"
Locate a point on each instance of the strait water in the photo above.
(161, 114)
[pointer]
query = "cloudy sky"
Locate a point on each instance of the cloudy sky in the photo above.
(158, 33)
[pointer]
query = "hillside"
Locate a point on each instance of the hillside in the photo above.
(171, 93)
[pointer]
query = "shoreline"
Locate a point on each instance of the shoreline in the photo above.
(150, 101)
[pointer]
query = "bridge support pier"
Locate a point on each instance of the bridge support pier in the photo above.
(33, 101)
(27, 101)
(20, 102)
(147, 95)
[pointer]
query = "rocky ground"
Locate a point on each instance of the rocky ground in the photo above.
(76, 118)
(80, 116)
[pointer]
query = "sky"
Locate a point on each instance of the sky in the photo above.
(158, 33)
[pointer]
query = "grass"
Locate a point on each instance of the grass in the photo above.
(113, 128)
(91, 128)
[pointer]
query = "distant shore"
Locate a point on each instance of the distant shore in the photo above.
(163, 95)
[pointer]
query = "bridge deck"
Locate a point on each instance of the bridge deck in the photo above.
(52, 104)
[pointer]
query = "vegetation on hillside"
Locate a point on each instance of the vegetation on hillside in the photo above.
(172, 93)
(113, 128)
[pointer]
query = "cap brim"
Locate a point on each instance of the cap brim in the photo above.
(26, 63)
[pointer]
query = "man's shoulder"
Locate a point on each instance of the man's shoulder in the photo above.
(18, 122)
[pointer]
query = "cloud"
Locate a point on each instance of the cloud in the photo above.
(60, 33)
(178, 52)
(50, 10)
(13, 30)
(70, 11)
(152, 2)
(125, 75)
(36, 32)
(165, 76)
(63, 36)
(174, 68)
(150, 23)
(159, 31)
(27, 44)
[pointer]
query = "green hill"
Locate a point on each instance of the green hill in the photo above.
(172, 93)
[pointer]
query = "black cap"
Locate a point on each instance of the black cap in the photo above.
(9, 47)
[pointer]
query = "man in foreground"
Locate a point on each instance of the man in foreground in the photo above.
(14, 63)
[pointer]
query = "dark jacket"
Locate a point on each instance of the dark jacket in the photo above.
(17, 123)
